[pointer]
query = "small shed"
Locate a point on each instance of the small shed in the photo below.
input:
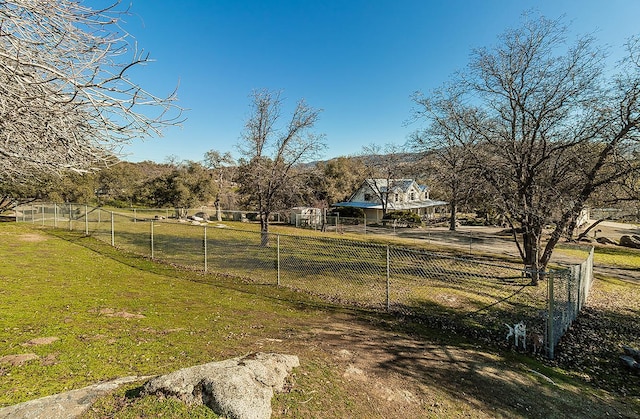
(306, 217)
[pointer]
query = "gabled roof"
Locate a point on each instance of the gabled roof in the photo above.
(383, 185)
(392, 205)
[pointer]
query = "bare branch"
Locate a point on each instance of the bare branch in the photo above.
(66, 100)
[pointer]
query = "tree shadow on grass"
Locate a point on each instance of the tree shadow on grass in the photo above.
(496, 382)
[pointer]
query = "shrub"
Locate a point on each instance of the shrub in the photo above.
(350, 212)
(404, 216)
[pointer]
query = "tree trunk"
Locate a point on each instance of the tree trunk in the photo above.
(181, 213)
(452, 217)
(218, 212)
(264, 229)
(531, 247)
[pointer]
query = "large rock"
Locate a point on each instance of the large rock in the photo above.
(630, 241)
(69, 405)
(632, 352)
(238, 388)
(203, 216)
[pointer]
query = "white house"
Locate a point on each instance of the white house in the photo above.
(402, 195)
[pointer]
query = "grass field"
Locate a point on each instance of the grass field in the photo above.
(114, 314)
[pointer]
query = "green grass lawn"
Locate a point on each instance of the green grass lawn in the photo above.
(615, 256)
(116, 314)
(113, 319)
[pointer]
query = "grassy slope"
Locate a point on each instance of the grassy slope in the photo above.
(63, 288)
(51, 287)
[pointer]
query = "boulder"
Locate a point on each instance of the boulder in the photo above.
(632, 352)
(630, 363)
(630, 241)
(203, 216)
(67, 405)
(238, 388)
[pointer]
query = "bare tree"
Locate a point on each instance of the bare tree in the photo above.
(444, 143)
(218, 162)
(270, 152)
(545, 130)
(67, 102)
(383, 165)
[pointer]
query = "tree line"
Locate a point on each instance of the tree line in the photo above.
(191, 184)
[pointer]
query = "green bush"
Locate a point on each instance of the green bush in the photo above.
(403, 216)
(350, 212)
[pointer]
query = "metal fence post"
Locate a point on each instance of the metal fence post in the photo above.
(86, 220)
(33, 217)
(135, 216)
(278, 258)
(70, 222)
(550, 309)
(204, 243)
(55, 215)
(113, 236)
(388, 277)
(42, 208)
(576, 273)
(152, 240)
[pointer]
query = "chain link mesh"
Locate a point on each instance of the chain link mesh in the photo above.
(569, 289)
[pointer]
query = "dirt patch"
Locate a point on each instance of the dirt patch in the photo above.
(109, 312)
(32, 237)
(613, 230)
(392, 376)
(49, 360)
(41, 341)
(18, 359)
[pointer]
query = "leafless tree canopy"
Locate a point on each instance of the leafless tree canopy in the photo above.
(66, 99)
(272, 152)
(383, 164)
(542, 125)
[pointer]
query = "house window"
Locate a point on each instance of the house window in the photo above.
(396, 198)
(413, 196)
(367, 197)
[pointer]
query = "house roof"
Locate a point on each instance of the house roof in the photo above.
(404, 184)
(383, 186)
(427, 203)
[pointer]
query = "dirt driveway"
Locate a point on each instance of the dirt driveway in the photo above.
(494, 240)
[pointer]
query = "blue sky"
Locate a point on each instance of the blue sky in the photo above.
(358, 60)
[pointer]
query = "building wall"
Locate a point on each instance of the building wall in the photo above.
(414, 192)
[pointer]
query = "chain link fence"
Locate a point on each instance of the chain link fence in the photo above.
(483, 299)
(567, 294)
